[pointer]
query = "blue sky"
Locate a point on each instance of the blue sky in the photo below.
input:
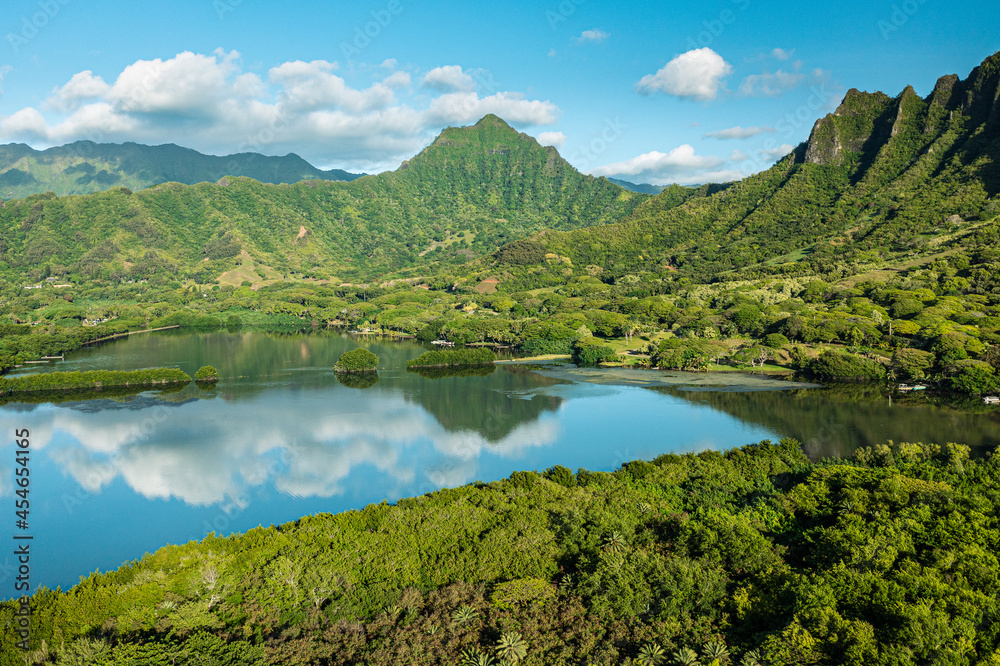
(648, 91)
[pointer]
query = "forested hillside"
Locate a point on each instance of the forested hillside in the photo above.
(472, 190)
(752, 556)
(85, 167)
(881, 176)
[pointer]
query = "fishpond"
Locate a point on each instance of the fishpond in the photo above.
(281, 436)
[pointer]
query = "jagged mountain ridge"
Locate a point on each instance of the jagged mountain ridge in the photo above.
(880, 174)
(85, 167)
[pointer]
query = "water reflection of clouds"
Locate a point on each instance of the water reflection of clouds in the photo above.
(206, 452)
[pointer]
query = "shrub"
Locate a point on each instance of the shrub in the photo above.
(453, 357)
(206, 373)
(356, 360)
(775, 341)
(588, 352)
(840, 365)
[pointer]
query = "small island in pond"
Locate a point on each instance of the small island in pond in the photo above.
(93, 380)
(356, 361)
(448, 358)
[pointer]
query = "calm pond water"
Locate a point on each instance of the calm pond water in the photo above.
(281, 437)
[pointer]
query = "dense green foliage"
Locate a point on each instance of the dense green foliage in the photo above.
(464, 196)
(888, 558)
(206, 373)
(444, 358)
(92, 379)
(589, 352)
(356, 360)
(85, 167)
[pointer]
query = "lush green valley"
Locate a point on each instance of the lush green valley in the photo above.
(869, 254)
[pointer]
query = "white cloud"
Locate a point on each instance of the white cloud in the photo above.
(592, 36)
(697, 74)
(397, 80)
(308, 86)
(552, 53)
(770, 85)
(449, 78)
(774, 154)
(557, 139)
(212, 104)
(680, 165)
(389, 63)
(28, 123)
(512, 107)
(776, 84)
(220, 460)
(738, 156)
(739, 132)
(782, 54)
(83, 86)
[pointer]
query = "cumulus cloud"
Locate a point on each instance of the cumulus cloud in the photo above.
(82, 87)
(739, 132)
(213, 104)
(680, 165)
(450, 78)
(592, 36)
(557, 139)
(782, 54)
(697, 75)
(512, 107)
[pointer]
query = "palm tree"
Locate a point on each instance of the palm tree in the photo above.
(651, 654)
(476, 658)
(751, 658)
(464, 615)
(614, 542)
(716, 650)
(511, 647)
(686, 657)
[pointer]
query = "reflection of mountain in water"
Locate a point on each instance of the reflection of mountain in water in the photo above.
(252, 363)
(835, 421)
(492, 406)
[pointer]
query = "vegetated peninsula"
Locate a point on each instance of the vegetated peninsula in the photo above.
(750, 556)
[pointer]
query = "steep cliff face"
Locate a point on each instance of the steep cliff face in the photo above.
(873, 133)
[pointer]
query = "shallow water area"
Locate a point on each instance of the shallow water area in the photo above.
(281, 436)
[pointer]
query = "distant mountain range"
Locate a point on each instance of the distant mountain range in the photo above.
(880, 177)
(464, 196)
(644, 188)
(85, 167)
